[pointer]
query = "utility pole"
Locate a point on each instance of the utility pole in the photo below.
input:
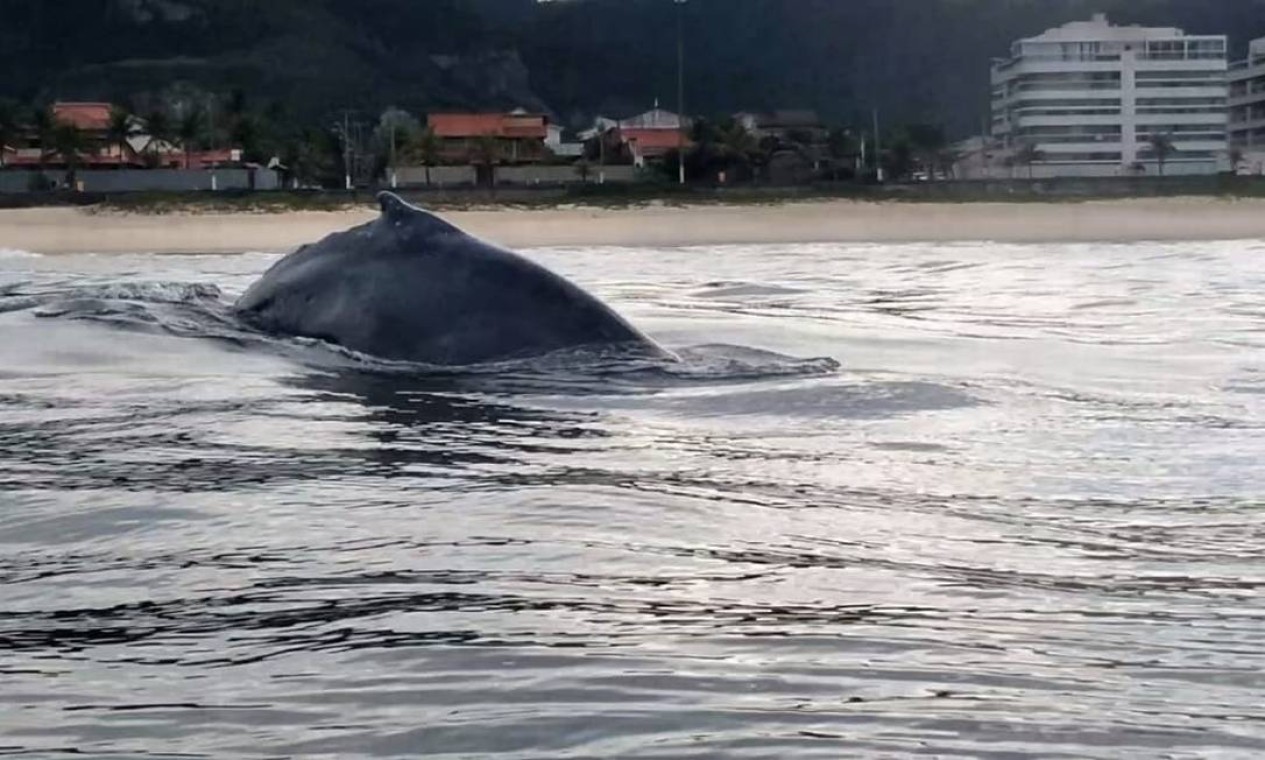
(878, 149)
(680, 87)
(210, 121)
(393, 180)
(347, 150)
(601, 155)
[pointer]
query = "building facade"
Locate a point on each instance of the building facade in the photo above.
(639, 139)
(1092, 99)
(800, 125)
(1247, 110)
(517, 137)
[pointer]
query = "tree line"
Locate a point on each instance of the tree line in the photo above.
(327, 154)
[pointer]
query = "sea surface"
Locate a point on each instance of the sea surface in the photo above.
(961, 500)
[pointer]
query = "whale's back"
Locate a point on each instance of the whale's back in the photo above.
(411, 286)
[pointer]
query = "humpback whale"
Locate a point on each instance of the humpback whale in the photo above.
(410, 286)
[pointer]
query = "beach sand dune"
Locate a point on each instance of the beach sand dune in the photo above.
(62, 230)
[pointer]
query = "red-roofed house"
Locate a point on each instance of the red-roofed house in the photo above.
(648, 143)
(93, 118)
(645, 137)
(517, 137)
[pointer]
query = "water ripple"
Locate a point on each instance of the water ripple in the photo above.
(1016, 512)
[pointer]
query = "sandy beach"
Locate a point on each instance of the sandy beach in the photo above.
(63, 230)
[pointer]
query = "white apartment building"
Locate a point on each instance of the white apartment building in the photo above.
(1247, 110)
(1090, 99)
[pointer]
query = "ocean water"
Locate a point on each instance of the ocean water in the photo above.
(954, 500)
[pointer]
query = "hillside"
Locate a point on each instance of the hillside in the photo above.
(923, 60)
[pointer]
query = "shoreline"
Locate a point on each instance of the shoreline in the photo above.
(60, 230)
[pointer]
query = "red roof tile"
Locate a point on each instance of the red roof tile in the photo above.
(93, 117)
(651, 141)
(457, 125)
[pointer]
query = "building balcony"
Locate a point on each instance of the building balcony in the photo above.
(1055, 148)
(1068, 121)
(1167, 119)
(1245, 70)
(1247, 125)
(1217, 90)
(1037, 95)
(1248, 92)
(1183, 64)
(1048, 66)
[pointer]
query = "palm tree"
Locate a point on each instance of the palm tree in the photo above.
(159, 127)
(10, 126)
(1236, 159)
(70, 142)
(244, 134)
(190, 130)
(1029, 154)
(118, 130)
(43, 125)
(313, 156)
(1162, 146)
(738, 146)
(487, 152)
(426, 148)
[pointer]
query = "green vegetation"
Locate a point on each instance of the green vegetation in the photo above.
(120, 128)
(334, 86)
(1027, 155)
(1162, 147)
(70, 143)
(917, 61)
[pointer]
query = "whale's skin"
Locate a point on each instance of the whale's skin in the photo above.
(409, 286)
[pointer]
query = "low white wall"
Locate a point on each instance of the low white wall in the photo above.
(536, 174)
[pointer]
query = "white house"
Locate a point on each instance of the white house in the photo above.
(558, 146)
(656, 118)
(1091, 99)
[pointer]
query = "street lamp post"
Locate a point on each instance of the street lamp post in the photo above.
(680, 87)
(344, 130)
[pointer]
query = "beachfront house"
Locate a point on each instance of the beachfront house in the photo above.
(98, 150)
(639, 139)
(558, 144)
(644, 144)
(517, 137)
(1093, 99)
(803, 126)
(1247, 110)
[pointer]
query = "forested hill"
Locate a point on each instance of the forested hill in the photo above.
(924, 60)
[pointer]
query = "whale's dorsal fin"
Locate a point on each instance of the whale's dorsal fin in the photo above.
(396, 210)
(394, 207)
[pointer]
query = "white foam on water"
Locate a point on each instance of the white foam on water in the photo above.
(14, 253)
